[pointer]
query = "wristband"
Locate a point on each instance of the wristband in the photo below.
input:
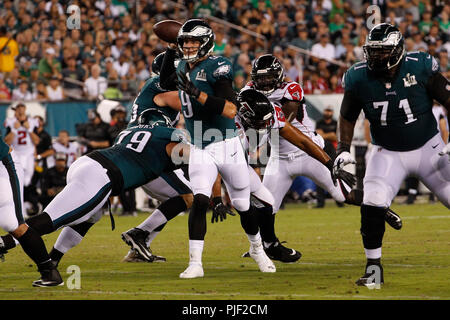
(342, 147)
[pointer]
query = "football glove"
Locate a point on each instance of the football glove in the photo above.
(220, 210)
(345, 176)
(184, 84)
(445, 151)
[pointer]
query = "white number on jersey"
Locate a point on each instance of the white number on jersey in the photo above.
(137, 141)
(187, 104)
(403, 104)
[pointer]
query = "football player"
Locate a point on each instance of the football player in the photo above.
(287, 161)
(207, 97)
(396, 91)
(11, 220)
(102, 173)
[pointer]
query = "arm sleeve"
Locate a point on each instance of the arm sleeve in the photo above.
(351, 107)
(223, 88)
(439, 88)
(168, 72)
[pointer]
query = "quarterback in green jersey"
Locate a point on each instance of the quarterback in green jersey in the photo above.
(11, 220)
(396, 91)
(208, 105)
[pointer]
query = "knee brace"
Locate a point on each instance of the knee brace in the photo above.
(82, 228)
(372, 226)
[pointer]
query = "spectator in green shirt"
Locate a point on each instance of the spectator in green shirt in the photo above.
(49, 66)
(203, 9)
(426, 23)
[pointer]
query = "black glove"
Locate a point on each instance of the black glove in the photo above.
(220, 210)
(187, 86)
(346, 177)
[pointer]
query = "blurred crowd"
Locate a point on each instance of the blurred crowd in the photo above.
(110, 55)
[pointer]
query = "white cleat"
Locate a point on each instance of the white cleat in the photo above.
(192, 271)
(264, 263)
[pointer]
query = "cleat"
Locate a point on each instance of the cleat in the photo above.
(276, 251)
(369, 279)
(393, 219)
(2, 250)
(257, 253)
(134, 256)
(246, 255)
(49, 278)
(194, 270)
(135, 238)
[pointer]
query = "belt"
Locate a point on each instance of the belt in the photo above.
(292, 155)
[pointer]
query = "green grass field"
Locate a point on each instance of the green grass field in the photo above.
(416, 261)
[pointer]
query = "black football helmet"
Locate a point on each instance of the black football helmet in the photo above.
(199, 30)
(384, 48)
(255, 110)
(267, 73)
(158, 61)
(154, 117)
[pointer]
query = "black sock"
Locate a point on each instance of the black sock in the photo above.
(249, 221)
(172, 207)
(34, 246)
(197, 217)
(56, 255)
(266, 220)
(9, 242)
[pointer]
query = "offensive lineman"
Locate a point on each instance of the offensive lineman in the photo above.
(11, 220)
(396, 91)
(94, 177)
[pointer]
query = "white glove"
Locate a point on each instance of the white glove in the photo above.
(341, 161)
(445, 150)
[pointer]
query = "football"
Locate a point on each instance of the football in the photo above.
(167, 30)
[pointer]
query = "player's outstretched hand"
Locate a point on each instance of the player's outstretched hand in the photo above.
(445, 151)
(187, 86)
(220, 210)
(340, 162)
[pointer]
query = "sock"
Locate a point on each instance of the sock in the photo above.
(249, 221)
(266, 220)
(68, 238)
(56, 255)
(156, 219)
(151, 237)
(195, 251)
(34, 246)
(172, 207)
(9, 241)
(254, 238)
(197, 217)
(373, 253)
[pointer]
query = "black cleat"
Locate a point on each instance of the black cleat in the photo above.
(134, 256)
(276, 251)
(393, 219)
(3, 251)
(135, 238)
(49, 278)
(370, 279)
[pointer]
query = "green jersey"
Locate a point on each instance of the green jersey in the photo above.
(144, 101)
(204, 126)
(399, 112)
(138, 155)
(4, 148)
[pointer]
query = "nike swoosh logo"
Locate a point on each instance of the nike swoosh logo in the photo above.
(234, 154)
(220, 63)
(435, 146)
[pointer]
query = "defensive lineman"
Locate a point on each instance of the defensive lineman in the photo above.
(288, 161)
(396, 92)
